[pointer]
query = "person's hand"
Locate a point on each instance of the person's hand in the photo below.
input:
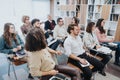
(98, 46)
(89, 54)
(58, 52)
(16, 58)
(19, 47)
(83, 61)
(112, 39)
(15, 49)
(53, 72)
(48, 30)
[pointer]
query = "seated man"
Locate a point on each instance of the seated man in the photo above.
(77, 55)
(36, 24)
(60, 31)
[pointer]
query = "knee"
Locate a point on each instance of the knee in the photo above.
(108, 57)
(75, 78)
(76, 75)
(101, 65)
(59, 41)
(88, 74)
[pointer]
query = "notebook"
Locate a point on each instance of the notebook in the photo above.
(60, 77)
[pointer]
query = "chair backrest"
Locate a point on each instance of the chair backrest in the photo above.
(62, 59)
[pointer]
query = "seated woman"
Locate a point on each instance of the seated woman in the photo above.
(10, 41)
(91, 41)
(102, 37)
(40, 58)
(26, 25)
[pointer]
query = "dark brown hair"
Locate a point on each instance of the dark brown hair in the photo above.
(99, 26)
(35, 40)
(76, 20)
(58, 20)
(89, 27)
(9, 36)
(34, 21)
(70, 27)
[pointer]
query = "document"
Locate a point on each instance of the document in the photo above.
(104, 50)
(88, 64)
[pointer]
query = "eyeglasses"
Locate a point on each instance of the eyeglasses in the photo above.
(27, 19)
(60, 21)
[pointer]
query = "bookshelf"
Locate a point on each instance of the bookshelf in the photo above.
(117, 37)
(91, 10)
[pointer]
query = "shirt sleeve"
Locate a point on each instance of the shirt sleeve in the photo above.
(3, 49)
(21, 41)
(67, 47)
(55, 32)
(46, 25)
(100, 39)
(87, 41)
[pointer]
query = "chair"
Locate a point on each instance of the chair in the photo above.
(91, 67)
(13, 60)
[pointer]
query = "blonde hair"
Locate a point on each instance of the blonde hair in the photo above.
(24, 18)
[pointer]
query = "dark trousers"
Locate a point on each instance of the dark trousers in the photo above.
(117, 53)
(73, 73)
(55, 45)
(105, 57)
(87, 72)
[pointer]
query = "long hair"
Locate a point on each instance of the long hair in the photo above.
(99, 26)
(35, 40)
(76, 20)
(89, 27)
(9, 36)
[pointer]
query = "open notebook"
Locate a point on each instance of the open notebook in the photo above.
(104, 50)
(88, 64)
(60, 77)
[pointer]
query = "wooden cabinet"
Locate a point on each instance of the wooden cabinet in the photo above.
(117, 34)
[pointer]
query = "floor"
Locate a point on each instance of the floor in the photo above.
(112, 71)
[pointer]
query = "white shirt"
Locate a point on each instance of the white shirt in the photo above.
(73, 46)
(90, 39)
(59, 32)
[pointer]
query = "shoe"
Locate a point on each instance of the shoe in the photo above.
(102, 73)
(30, 76)
(117, 64)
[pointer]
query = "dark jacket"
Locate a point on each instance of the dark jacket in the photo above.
(49, 26)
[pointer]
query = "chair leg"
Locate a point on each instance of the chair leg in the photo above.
(14, 72)
(94, 75)
(9, 69)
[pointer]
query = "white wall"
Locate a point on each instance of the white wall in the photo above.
(41, 8)
(13, 10)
